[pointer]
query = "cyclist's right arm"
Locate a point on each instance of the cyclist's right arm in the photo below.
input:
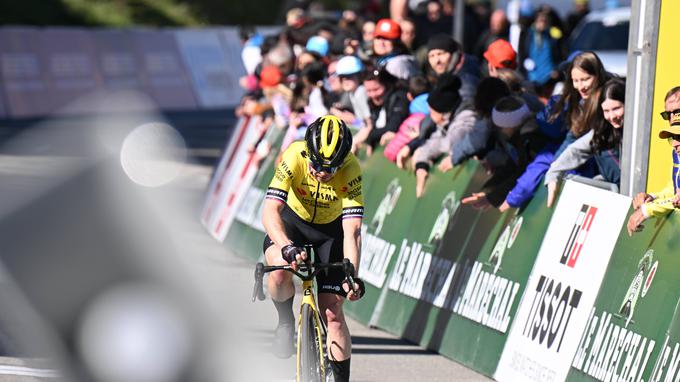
(273, 224)
(276, 198)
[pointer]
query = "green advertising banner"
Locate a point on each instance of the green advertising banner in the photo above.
(473, 284)
(633, 332)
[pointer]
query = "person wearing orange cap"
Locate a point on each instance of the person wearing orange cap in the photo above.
(500, 54)
(386, 36)
(663, 202)
(390, 52)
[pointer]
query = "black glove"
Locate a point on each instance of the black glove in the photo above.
(289, 252)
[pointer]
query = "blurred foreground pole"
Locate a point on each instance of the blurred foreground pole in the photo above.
(642, 50)
(458, 20)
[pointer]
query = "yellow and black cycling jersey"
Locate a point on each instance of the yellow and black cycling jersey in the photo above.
(312, 201)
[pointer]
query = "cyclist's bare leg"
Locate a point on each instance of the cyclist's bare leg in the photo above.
(279, 283)
(339, 341)
(282, 292)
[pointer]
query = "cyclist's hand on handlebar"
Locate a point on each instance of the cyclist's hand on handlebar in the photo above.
(357, 292)
(293, 255)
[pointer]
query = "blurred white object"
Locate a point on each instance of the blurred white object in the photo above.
(135, 333)
(153, 154)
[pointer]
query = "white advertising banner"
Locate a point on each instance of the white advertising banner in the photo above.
(240, 168)
(216, 186)
(563, 285)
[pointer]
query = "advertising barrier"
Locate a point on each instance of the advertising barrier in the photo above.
(164, 71)
(71, 67)
(216, 185)
(43, 70)
(529, 294)
(240, 168)
(632, 331)
(563, 285)
(24, 73)
(491, 287)
(117, 60)
(214, 78)
(232, 46)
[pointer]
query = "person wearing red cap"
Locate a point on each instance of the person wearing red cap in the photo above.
(270, 77)
(390, 52)
(500, 54)
(386, 37)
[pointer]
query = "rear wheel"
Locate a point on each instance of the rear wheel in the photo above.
(310, 348)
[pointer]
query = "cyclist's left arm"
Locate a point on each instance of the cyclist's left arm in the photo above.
(352, 241)
(352, 213)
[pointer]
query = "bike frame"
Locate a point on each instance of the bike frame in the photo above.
(308, 298)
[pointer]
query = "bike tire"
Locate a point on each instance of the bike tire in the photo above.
(310, 348)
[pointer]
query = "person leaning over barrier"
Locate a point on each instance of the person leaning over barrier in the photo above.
(663, 202)
(315, 198)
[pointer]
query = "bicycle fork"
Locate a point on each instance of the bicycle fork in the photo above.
(308, 299)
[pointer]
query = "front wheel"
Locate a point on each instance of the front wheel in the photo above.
(310, 348)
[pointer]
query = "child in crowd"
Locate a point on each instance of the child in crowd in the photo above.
(410, 129)
(453, 120)
(515, 142)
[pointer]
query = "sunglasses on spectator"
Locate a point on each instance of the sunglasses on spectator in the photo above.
(673, 137)
(666, 115)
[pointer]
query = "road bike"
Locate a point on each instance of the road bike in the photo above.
(311, 365)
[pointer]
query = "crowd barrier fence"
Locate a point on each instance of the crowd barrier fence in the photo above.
(538, 293)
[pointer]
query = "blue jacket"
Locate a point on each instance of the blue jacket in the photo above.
(526, 185)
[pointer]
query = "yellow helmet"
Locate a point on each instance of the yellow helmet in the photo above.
(328, 143)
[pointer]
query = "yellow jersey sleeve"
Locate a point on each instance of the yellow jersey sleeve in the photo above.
(284, 175)
(350, 192)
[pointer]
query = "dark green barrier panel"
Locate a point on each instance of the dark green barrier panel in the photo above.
(388, 209)
(484, 309)
(478, 278)
(633, 333)
(420, 271)
(420, 234)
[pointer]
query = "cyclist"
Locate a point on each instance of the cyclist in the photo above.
(324, 209)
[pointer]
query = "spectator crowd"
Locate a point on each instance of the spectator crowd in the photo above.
(509, 95)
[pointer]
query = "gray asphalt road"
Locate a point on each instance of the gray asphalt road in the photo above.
(240, 332)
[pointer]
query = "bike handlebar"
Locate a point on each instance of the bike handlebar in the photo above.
(311, 269)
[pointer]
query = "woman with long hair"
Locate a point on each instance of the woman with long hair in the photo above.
(585, 77)
(602, 143)
(575, 110)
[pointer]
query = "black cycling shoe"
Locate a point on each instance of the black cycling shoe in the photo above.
(282, 347)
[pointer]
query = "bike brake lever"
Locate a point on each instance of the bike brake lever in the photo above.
(348, 268)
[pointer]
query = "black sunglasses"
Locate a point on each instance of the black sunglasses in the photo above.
(319, 168)
(673, 137)
(666, 115)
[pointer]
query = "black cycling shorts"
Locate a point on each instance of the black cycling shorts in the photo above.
(328, 247)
